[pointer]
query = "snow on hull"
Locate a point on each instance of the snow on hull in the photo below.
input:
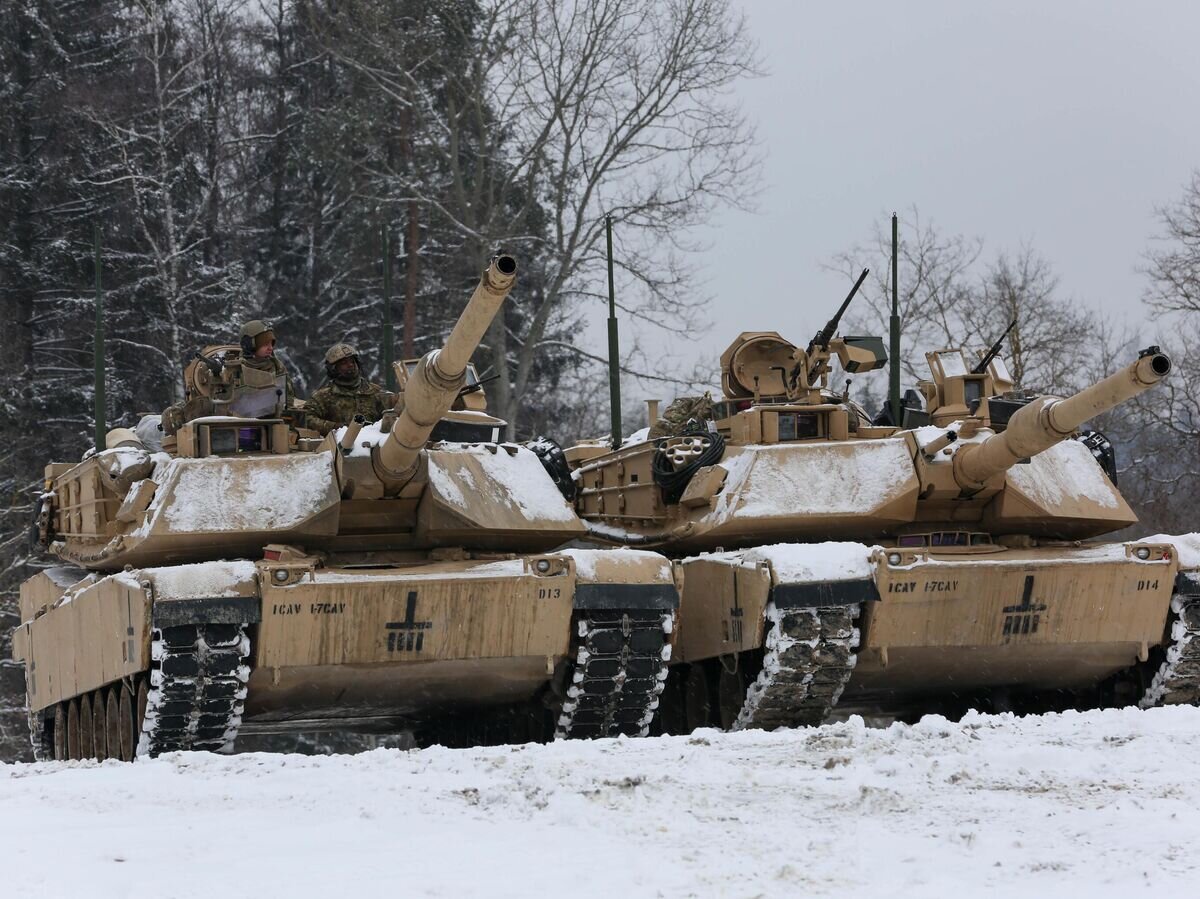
(821, 480)
(1103, 804)
(807, 563)
(197, 581)
(258, 493)
(1066, 471)
(487, 484)
(608, 565)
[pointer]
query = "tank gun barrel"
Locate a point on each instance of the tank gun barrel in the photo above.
(440, 375)
(1048, 420)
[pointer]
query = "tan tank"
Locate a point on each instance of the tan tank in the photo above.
(257, 579)
(930, 569)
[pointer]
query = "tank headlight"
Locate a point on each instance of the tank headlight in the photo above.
(281, 574)
(1142, 553)
(543, 565)
(894, 558)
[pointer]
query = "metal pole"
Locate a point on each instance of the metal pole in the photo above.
(98, 345)
(388, 337)
(614, 358)
(894, 370)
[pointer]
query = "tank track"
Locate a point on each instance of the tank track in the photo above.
(620, 670)
(1177, 681)
(807, 660)
(37, 737)
(197, 688)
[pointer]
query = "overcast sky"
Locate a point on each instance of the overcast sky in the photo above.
(1058, 124)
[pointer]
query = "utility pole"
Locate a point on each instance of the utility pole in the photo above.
(388, 336)
(614, 345)
(894, 368)
(98, 345)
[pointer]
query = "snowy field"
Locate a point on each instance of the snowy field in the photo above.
(1101, 804)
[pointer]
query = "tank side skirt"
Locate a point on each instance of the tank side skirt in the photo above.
(207, 610)
(1177, 681)
(37, 736)
(820, 594)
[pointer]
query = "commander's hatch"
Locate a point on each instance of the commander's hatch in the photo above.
(757, 409)
(755, 365)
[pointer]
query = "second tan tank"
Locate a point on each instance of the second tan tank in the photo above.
(824, 558)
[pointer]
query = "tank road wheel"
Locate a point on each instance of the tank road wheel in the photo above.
(86, 750)
(99, 728)
(697, 698)
(73, 730)
(731, 690)
(112, 722)
(126, 712)
(61, 753)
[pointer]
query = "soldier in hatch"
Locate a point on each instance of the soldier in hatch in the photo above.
(251, 383)
(266, 390)
(347, 394)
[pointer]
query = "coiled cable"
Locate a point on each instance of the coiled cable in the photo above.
(674, 481)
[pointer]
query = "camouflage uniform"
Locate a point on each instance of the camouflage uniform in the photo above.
(336, 404)
(680, 412)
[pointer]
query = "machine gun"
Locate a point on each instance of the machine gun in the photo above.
(214, 366)
(821, 340)
(994, 351)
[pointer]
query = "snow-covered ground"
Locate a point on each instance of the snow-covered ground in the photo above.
(1101, 804)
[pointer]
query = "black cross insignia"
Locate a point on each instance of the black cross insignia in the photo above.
(414, 639)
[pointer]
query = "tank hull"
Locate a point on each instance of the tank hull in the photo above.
(299, 645)
(898, 631)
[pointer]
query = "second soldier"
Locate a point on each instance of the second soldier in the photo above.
(347, 394)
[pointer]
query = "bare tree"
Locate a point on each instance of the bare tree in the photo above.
(937, 286)
(949, 298)
(567, 111)
(167, 153)
(1174, 265)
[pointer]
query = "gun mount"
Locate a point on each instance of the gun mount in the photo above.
(982, 365)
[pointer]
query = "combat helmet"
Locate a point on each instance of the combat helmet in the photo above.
(336, 354)
(254, 333)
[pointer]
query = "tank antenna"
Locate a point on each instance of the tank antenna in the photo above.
(614, 358)
(388, 335)
(894, 367)
(98, 344)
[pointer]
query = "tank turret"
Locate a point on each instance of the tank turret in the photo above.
(233, 484)
(781, 456)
